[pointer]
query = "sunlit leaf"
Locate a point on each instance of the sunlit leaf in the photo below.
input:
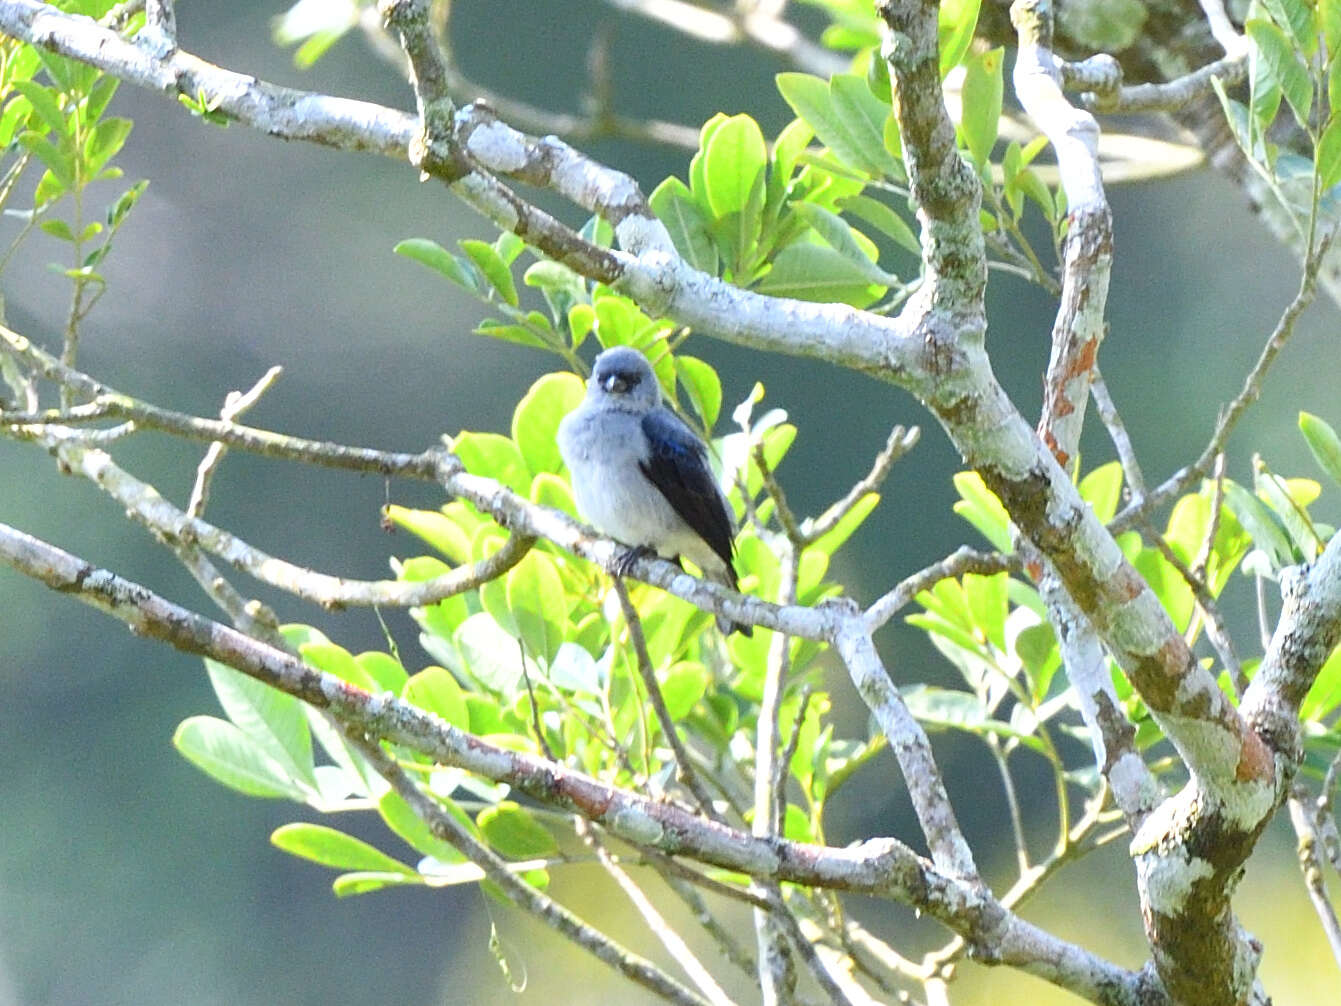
(226, 754)
(329, 847)
(439, 259)
(675, 207)
(515, 833)
(271, 718)
(535, 421)
(1323, 442)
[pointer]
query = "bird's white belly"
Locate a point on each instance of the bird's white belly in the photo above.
(616, 498)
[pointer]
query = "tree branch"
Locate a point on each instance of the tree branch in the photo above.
(880, 867)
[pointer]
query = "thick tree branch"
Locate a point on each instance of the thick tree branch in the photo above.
(944, 188)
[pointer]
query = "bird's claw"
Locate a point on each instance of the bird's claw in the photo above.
(624, 563)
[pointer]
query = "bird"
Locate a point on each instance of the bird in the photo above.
(641, 475)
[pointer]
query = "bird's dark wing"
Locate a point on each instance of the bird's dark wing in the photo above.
(677, 464)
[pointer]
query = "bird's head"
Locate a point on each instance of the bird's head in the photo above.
(623, 377)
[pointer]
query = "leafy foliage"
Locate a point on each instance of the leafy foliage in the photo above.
(53, 118)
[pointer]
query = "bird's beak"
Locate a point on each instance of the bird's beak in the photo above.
(615, 384)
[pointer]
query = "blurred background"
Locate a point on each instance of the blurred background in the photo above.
(126, 876)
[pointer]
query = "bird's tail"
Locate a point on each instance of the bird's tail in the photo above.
(727, 578)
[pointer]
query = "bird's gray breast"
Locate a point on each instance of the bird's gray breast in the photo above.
(603, 449)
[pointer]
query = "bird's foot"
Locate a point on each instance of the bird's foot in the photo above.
(625, 562)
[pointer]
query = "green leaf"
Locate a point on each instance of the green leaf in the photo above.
(495, 270)
(519, 334)
(1036, 647)
(1264, 102)
(490, 653)
(1323, 442)
(411, 829)
(675, 207)
(986, 596)
(1188, 522)
(535, 420)
(682, 686)
(733, 159)
(950, 709)
(1329, 21)
(366, 881)
(1328, 154)
(99, 96)
(1296, 17)
(116, 213)
(493, 455)
(271, 718)
(223, 752)
(1261, 524)
(388, 672)
(1102, 490)
(336, 660)
(536, 598)
(831, 542)
(703, 387)
(58, 229)
(1290, 499)
(839, 236)
(1325, 693)
(883, 219)
(105, 142)
(509, 247)
(573, 669)
(60, 164)
(955, 24)
(433, 527)
(863, 116)
(1168, 585)
(980, 507)
(439, 259)
(46, 103)
(330, 847)
(816, 272)
(434, 690)
(847, 129)
(515, 833)
(787, 148)
(1285, 66)
(982, 104)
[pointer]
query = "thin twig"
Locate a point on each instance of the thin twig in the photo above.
(684, 767)
(897, 444)
(1170, 95)
(236, 405)
(784, 513)
(674, 868)
(576, 128)
(962, 560)
(518, 891)
(1012, 804)
(725, 940)
(1180, 481)
(837, 995)
(776, 969)
(1201, 563)
(656, 923)
(1210, 611)
(782, 767)
(1311, 867)
(1117, 432)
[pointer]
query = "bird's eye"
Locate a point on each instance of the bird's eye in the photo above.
(618, 382)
